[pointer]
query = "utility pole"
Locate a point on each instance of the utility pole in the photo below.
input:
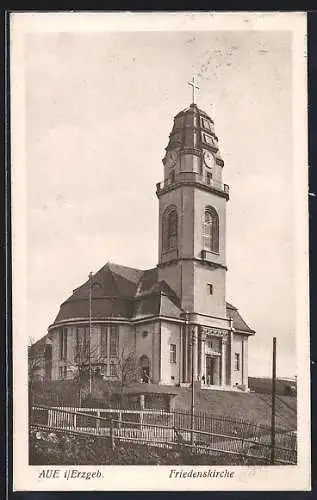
(90, 329)
(273, 403)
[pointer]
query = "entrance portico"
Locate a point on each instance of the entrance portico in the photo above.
(214, 356)
(208, 349)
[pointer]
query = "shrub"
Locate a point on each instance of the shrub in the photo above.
(62, 449)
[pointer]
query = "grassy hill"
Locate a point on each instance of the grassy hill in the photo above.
(249, 406)
(264, 385)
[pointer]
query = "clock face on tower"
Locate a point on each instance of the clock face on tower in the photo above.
(209, 159)
(171, 157)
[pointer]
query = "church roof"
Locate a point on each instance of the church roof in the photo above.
(194, 108)
(122, 292)
(126, 292)
(111, 280)
(238, 322)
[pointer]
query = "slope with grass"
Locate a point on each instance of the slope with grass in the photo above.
(264, 385)
(238, 405)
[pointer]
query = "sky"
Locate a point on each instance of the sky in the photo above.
(99, 107)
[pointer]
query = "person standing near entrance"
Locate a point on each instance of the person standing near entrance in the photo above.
(145, 376)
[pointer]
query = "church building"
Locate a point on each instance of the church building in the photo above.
(173, 319)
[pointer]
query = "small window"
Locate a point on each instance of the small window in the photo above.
(145, 333)
(63, 343)
(237, 361)
(210, 288)
(209, 178)
(209, 139)
(172, 177)
(103, 341)
(205, 123)
(82, 346)
(173, 353)
(114, 341)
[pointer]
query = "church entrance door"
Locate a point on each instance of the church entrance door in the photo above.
(210, 370)
(145, 369)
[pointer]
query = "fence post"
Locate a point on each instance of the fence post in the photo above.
(142, 405)
(49, 418)
(97, 421)
(112, 435)
(141, 420)
(173, 436)
(120, 419)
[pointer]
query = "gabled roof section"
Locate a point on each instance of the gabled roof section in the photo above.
(168, 292)
(156, 304)
(147, 306)
(238, 322)
(155, 297)
(147, 282)
(111, 280)
(126, 278)
(168, 307)
(149, 285)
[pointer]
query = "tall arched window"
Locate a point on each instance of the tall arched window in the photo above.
(170, 229)
(211, 230)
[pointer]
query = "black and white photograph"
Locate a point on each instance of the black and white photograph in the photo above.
(160, 251)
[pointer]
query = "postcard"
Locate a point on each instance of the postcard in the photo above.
(159, 251)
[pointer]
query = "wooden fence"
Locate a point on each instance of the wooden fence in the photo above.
(210, 434)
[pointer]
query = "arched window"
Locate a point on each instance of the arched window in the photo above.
(211, 230)
(170, 229)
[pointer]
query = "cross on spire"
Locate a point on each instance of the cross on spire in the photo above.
(194, 86)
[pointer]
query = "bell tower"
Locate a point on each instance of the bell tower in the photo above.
(192, 214)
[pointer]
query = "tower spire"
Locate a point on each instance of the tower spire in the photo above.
(194, 86)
